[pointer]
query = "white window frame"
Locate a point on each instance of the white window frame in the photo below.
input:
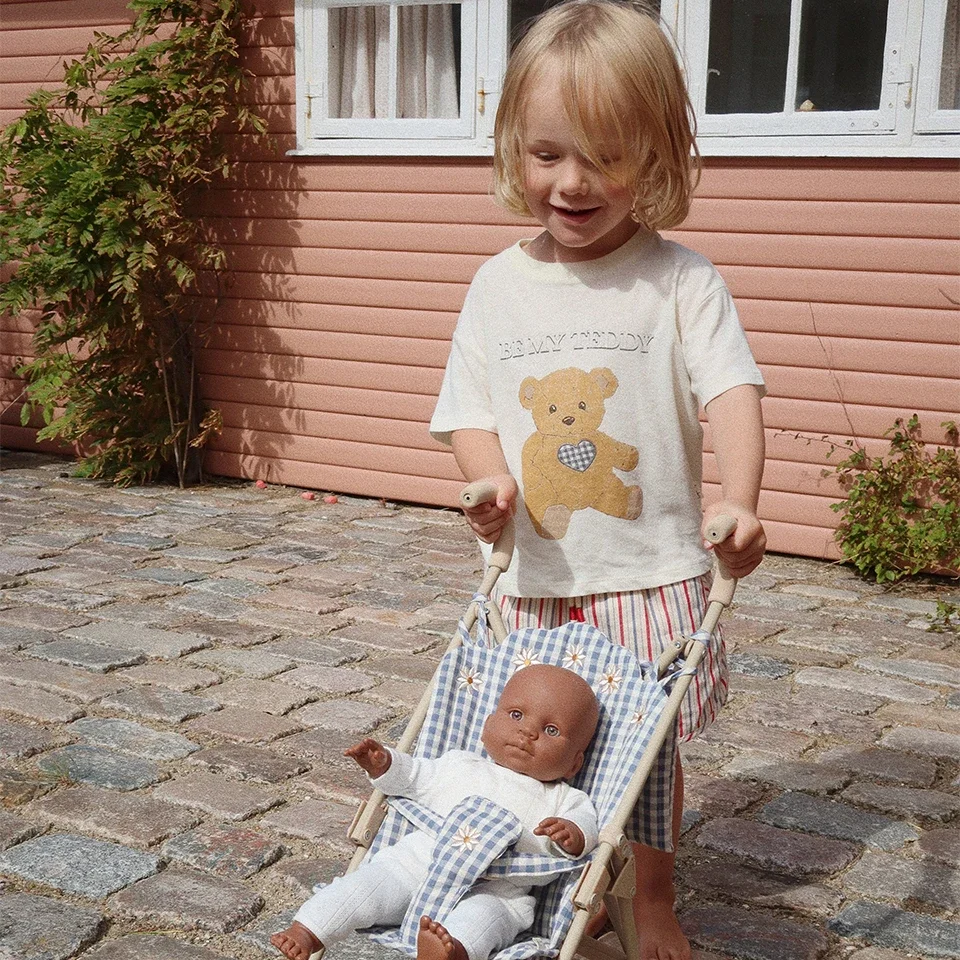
(483, 60)
(907, 123)
(930, 118)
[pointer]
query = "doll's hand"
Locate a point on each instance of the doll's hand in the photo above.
(371, 755)
(743, 550)
(564, 833)
(487, 520)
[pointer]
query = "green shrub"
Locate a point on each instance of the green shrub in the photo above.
(901, 515)
(99, 212)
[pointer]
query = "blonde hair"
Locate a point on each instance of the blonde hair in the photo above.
(623, 91)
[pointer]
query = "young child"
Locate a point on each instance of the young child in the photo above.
(581, 358)
(544, 721)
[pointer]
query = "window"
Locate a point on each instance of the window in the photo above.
(767, 77)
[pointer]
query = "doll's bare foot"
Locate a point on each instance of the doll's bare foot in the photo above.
(434, 943)
(296, 942)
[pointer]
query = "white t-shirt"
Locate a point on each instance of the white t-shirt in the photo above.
(592, 375)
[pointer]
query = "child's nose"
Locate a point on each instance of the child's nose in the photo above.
(573, 177)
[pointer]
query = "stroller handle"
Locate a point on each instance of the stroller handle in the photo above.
(481, 491)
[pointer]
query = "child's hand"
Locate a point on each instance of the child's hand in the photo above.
(371, 755)
(564, 833)
(743, 550)
(487, 520)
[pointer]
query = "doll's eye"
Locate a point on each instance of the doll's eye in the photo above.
(516, 715)
(551, 731)
(552, 408)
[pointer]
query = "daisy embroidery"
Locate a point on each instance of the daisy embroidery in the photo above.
(637, 717)
(610, 682)
(465, 839)
(470, 680)
(574, 657)
(525, 659)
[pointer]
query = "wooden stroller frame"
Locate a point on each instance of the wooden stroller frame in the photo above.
(609, 878)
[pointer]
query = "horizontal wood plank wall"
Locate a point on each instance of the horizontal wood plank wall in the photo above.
(346, 277)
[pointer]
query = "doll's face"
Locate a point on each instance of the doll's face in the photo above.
(543, 723)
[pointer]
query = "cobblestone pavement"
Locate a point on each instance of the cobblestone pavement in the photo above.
(180, 671)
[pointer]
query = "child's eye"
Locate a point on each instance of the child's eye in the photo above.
(545, 157)
(516, 715)
(551, 731)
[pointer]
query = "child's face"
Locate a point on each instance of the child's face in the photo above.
(544, 721)
(586, 214)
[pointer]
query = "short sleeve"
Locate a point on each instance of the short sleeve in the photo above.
(464, 402)
(715, 348)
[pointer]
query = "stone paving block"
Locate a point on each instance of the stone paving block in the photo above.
(837, 642)
(187, 900)
(909, 605)
(15, 638)
(245, 726)
(310, 602)
(340, 784)
(773, 848)
(888, 926)
(741, 884)
(923, 671)
(37, 704)
(149, 615)
(250, 763)
(73, 600)
(885, 766)
(233, 634)
(226, 851)
(752, 934)
(38, 928)
(421, 667)
(143, 946)
(905, 801)
(232, 587)
(385, 630)
(794, 656)
(345, 715)
(326, 745)
(129, 737)
(15, 566)
(871, 684)
(173, 676)
(264, 695)
(128, 818)
(797, 811)
(249, 662)
(89, 656)
(172, 576)
(209, 605)
(929, 743)
(14, 829)
(328, 680)
(228, 799)
(786, 774)
(881, 876)
(159, 703)
(72, 864)
(160, 644)
(942, 845)
(816, 592)
(99, 767)
(814, 720)
(755, 736)
(42, 618)
(78, 684)
(317, 820)
(18, 740)
(139, 541)
(328, 653)
(303, 875)
(714, 797)
(933, 717)
(206, 554)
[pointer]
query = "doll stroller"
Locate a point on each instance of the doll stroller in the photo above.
(634, 744)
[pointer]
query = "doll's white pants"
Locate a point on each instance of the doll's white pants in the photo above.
(487, 919)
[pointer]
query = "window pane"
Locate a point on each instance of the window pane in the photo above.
(950, 63)
(841, 54)
(749, 45)
(426, 43)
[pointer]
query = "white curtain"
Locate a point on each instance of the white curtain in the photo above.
(426, 61)
(950, 64)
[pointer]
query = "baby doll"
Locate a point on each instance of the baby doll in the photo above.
(536, 738)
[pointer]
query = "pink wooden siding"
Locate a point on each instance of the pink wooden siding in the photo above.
(347, 276)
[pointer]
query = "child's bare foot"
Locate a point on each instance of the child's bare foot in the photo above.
(659, 932)
(296, 942)
(434, 943)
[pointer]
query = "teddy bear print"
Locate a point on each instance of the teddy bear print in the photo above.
(567, 462)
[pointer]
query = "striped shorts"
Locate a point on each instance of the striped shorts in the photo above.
(644, 621)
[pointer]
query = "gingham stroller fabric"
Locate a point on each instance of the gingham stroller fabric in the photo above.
(469, 681)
